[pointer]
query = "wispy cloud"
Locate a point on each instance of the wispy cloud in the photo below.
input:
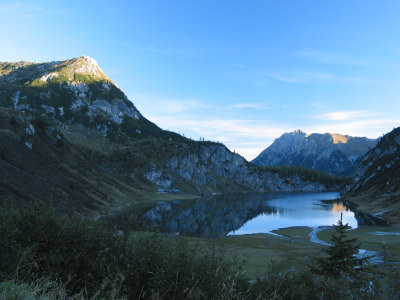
(369, 128)
(326, 57)
(299, 76)
(247, 137)
(346, 115)
(21, 10)
(258, 106)
(260, 77)
(355, 123)
(212, 121)
(246, 133)
(162, 105)
(182, 105)
(168, 105)
(10, 6)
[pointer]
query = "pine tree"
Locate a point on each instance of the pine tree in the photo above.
(341, 256)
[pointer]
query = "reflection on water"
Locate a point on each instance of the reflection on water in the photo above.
(338, 207)
(246, 213)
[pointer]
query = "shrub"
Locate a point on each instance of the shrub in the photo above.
(37, 241)
(42, 290)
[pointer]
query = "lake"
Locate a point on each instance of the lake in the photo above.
(311, 209)
(237, 214)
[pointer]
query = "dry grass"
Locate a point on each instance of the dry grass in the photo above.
(256, 252)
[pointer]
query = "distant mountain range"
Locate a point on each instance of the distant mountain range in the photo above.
(333, 153)
(68, 134)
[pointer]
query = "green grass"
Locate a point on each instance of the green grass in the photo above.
(257, 251)
(295, 251)
(40, 290)
(371, 241)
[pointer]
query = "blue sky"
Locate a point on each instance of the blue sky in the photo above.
(239, 72)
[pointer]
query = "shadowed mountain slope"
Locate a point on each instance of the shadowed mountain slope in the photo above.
(376, 186)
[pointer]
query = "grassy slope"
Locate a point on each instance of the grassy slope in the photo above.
(68, 175)
(382, 192)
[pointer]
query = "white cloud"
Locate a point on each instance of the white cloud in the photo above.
(368, 128)
(355, 123)
(246, 134)
(181, 106)
(299, 76)
(258, 106)
(266, 77)
(246, 137)
(162, 105)
(346, 115)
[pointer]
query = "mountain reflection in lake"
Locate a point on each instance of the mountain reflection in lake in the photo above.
(246, 213)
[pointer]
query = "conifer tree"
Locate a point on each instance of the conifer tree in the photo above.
(341, 256)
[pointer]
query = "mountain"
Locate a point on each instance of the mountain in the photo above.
(333, 153)
(376, 186)
(68, 134)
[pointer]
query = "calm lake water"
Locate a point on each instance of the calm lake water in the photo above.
(311, 209)
(245, 213)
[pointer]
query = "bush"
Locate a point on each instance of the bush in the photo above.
(43, 290)
(37, 242)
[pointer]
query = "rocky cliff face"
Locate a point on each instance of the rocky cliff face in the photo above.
(376, 186)
(333, 153)
(85, 143)
(213, 168)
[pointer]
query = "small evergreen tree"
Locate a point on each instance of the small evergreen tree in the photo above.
(340, 273)
(341, 256)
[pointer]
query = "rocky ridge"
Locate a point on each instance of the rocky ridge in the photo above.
(376, 186)
(333, 153)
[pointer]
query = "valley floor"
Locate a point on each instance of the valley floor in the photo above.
(293, 250)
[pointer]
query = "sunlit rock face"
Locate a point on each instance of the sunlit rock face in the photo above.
(333, 153)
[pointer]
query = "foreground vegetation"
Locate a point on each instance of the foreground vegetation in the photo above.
(47, 255)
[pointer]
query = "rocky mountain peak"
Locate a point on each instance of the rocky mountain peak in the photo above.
(297, 131)
(84, 65)
(74, 89)
(329, 152)
(89, 59)
(83, 68)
